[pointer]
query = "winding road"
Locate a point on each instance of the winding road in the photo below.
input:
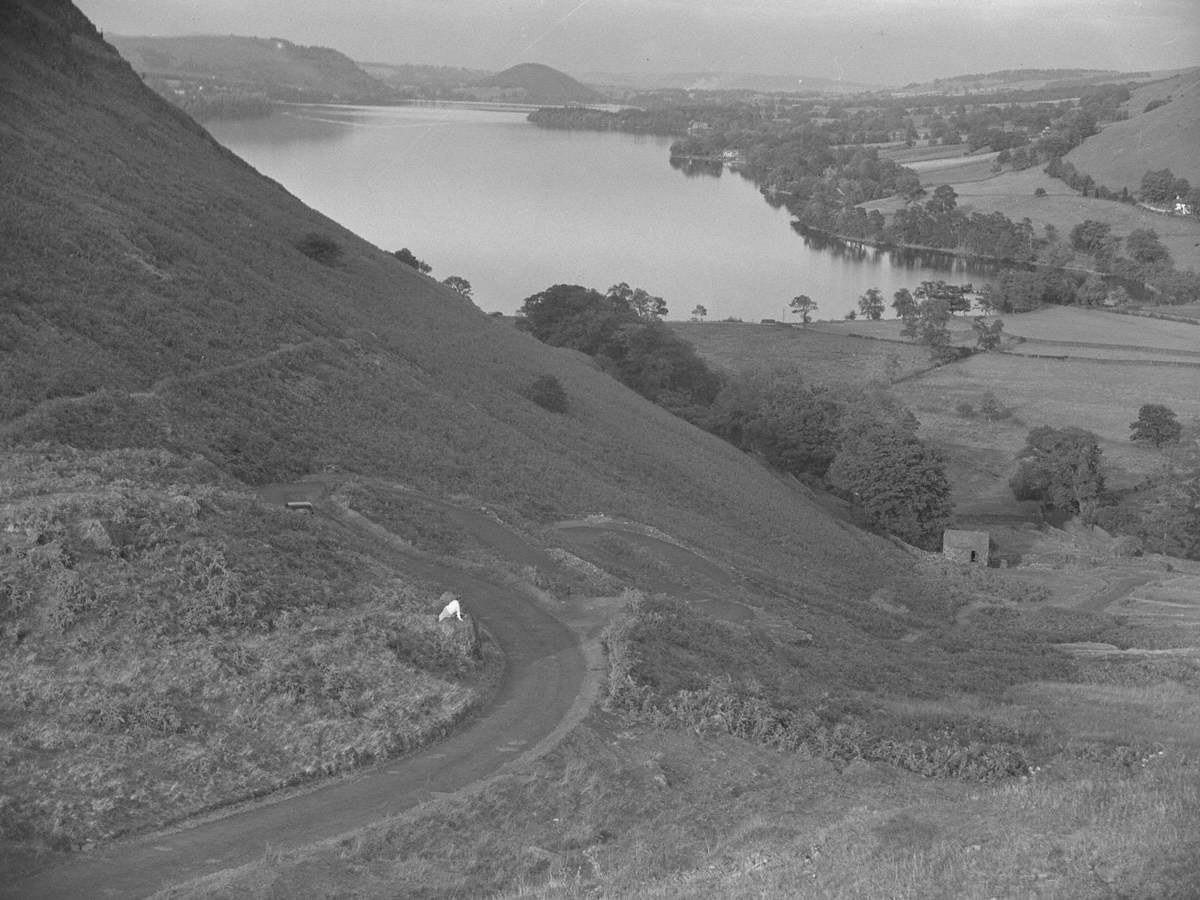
(545, 673)
(551, 677)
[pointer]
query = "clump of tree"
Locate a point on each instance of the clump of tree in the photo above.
(407, 257)
(861, 444)
(1061, 469)
(1160, 187)
(320, 248)
(623, 330)
(793, 426)
(1156, 424)
(897, 483)
(1164, 511)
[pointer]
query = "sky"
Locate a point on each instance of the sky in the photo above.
(885, 42)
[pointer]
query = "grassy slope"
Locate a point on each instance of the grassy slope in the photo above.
(1012, 193)
(1164, 138)
(1108, 366)
(158, 299)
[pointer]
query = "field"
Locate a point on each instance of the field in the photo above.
(1012, 193)
(824, 354)
(1085, 368)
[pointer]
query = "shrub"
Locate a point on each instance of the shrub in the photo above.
(320, 248)
(992, 409)
(966, 410)
(548, 393)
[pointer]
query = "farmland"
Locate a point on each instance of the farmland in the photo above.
(1012, 193)
(1082, 368)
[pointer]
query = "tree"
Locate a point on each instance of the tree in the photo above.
(987, 334)
(699, 312)
(458, 283)
(870, 304)
(1089, 235)
(1158, 186)
(1145, 247)
(644, 305)
(1156, 424)
(992, 409)
(1060, 468)
(943, 201)
(1093, 291)
(904, 304)
(930, 326)
(897, 483)
(803, 306)
(406, 256)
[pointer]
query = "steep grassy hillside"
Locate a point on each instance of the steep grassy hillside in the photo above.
(159, 298)
(1165, 137)
(276, 67)
(176, 330)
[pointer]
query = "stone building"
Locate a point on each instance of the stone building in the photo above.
(966, 546)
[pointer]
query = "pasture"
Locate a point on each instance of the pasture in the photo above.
(1074, 367)
(1012, 193)
(823, 353)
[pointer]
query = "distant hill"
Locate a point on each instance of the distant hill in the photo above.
(537, 83)
(1021, 80)
(730, 81)
(1165, 136)
(273, 67)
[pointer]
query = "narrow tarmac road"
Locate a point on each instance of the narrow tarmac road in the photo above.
(545, 672)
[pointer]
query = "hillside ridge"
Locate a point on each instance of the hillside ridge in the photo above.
(277, 68)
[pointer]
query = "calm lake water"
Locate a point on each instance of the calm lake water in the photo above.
(514, 208)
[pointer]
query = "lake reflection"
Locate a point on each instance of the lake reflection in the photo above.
(514, 208)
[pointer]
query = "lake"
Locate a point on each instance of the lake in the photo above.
(515, 208)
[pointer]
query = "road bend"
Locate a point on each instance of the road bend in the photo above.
(545, 671)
